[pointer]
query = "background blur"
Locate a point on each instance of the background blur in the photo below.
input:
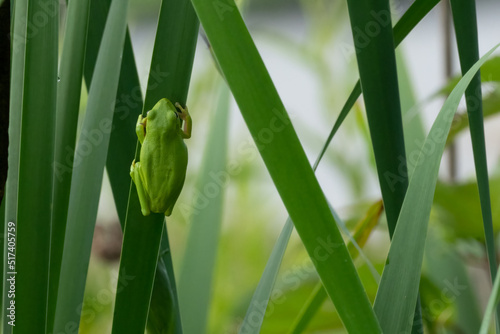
(307, 48)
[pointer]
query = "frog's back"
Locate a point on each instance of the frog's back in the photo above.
(167, 163)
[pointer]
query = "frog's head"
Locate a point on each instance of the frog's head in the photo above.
(163, 117)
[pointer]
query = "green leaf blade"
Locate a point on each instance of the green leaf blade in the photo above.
(84, 196)
(169, 77)
(68, 106)
(398, 289)
(35, 170)
(285, 160)
(198, 265)
(464, 18)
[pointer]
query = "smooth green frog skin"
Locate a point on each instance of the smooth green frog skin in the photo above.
(160, 173)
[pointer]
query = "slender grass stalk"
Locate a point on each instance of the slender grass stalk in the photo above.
(260, 299)
(464, 18)
(492, 305)
(378, 76)
(90, 155)
(68, 107)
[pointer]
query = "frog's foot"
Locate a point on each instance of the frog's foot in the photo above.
(132, 168)
(184, 111)
(140, 128)
(188, 124)
(169, 211)
(141, 193)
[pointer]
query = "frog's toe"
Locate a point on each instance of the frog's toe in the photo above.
(168, 212)
(145, 212)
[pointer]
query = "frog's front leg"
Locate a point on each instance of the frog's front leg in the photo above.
(188, 123)
(140, 128)
(135, 173)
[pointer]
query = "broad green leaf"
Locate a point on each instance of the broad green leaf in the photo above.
(285, 159)
(90, 158)
(35, 170)
(69, 87)
(197, 271)
(397, 294)
(464, 18)
(176, 35)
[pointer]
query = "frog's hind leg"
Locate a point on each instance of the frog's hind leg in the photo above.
(136, 177)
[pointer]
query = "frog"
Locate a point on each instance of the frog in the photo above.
(161, 170)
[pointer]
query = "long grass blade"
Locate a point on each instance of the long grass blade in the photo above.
(362, 231)
(35, 170)
(91, 152)
(285, 160)
(381, 95)
(176, 35)
(68, 107)
(196, 277)
(464, 18)
(491, 306)
(417, 11)
(397, 294)
(410, 19)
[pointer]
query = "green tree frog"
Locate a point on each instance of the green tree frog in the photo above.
(160, 173)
